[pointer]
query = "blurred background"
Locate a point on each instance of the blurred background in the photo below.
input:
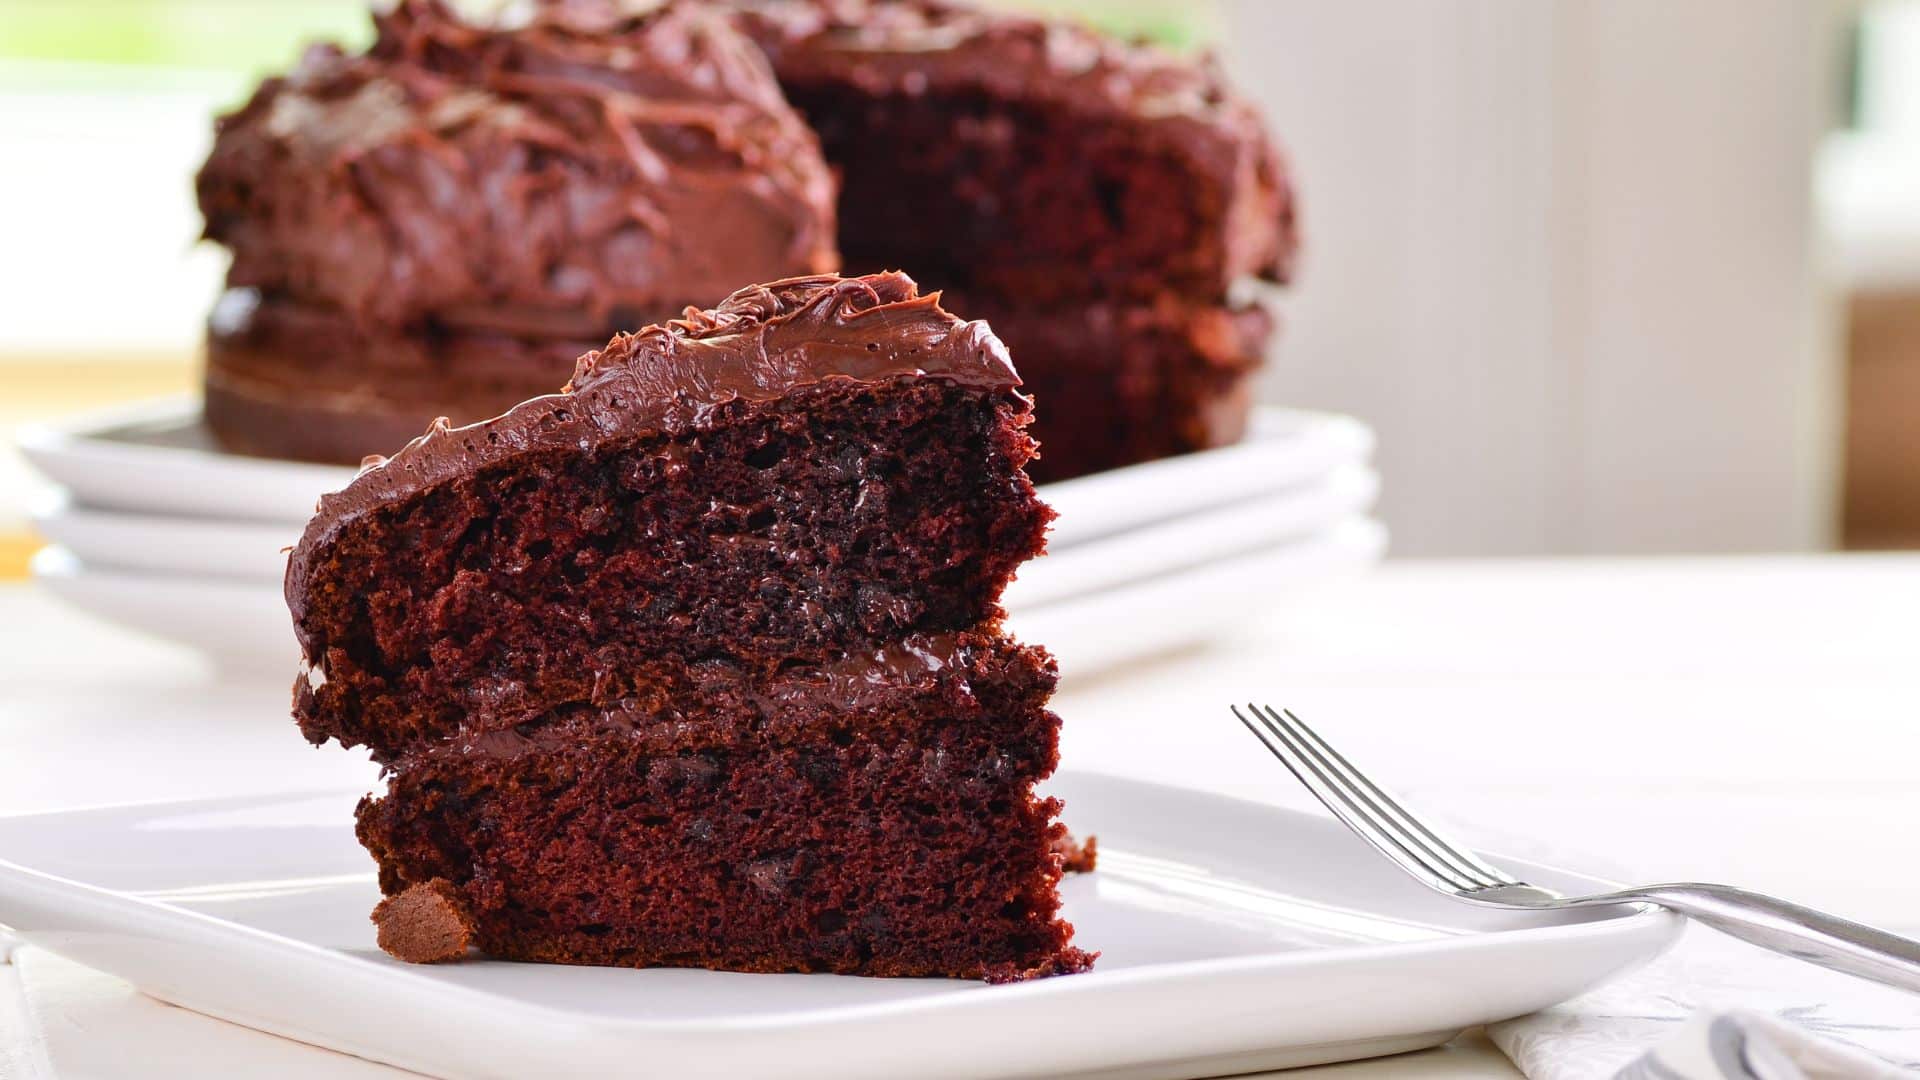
(1622, 276)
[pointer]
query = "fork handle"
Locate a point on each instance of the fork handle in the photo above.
(1794, 930)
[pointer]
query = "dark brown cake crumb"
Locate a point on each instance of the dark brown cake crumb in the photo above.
(427, 923)
(1077, 856)
(1068, 961)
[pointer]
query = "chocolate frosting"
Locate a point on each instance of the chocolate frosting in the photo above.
(291, 380)
(762, 343)
(567, 170)
(914, 47)
(886, 677)
(303, 347)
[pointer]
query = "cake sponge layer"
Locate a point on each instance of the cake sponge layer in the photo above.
(874, 851)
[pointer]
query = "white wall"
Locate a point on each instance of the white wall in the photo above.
(1558, 252)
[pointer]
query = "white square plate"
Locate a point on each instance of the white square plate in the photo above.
(1233, 936)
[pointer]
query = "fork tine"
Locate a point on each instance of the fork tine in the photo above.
(1457, 857)
(1403, 838)
(1392, 841)
(1459, 854)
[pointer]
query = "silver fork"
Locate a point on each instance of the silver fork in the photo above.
(1452, 869)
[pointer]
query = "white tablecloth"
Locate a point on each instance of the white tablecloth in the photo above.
(1747, 720)
(1821, 1025)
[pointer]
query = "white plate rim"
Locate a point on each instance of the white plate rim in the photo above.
(1255, 525)
(58, 447)
(218, 549)
(1160, 489)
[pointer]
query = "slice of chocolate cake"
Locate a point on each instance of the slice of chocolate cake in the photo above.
(699, 663)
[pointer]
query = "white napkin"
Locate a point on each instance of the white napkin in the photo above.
(1716, 1009)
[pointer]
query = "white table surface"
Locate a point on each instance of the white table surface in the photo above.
(1754, 720)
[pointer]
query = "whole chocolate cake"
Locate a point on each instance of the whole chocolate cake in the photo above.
(464, 198)
(433, 227)
(699, 662)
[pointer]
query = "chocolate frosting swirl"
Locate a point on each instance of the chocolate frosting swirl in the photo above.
(763, 342)
(570, 168)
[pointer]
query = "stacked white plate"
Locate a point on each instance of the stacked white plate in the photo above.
(155, 528)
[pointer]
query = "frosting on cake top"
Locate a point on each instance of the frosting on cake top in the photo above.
(556, 171)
